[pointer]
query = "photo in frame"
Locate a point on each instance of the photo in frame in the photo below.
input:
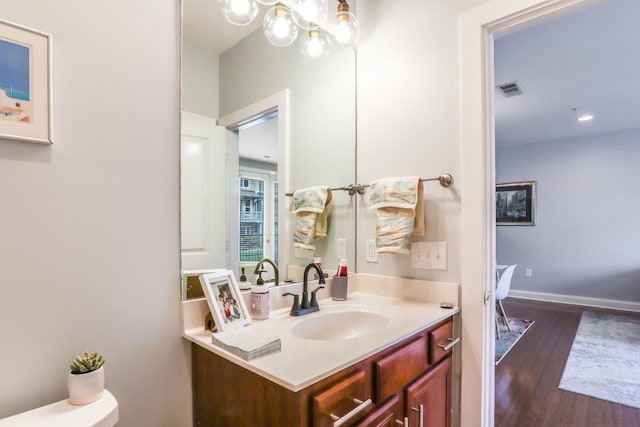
(516, 203)
(25, 84)
(225, 300)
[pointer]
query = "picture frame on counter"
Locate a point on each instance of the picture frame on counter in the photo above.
(225, 300)
(516, 203)
(25, 84)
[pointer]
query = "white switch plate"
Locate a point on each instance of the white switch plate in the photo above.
(342, 248)
(372, 251)
(429, 255)
(528, 272)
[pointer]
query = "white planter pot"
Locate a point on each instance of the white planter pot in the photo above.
(86, 388)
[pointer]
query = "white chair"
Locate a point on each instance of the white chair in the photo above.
(502, 290)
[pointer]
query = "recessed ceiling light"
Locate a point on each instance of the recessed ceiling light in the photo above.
(585, 117)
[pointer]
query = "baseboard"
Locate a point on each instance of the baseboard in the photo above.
(577, 300)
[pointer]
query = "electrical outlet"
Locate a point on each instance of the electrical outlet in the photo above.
(372, 251)
(342, 248)
(528, 272)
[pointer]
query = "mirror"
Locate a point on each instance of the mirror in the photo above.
(315, 113)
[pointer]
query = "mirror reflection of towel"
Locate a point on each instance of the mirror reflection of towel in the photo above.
(311, 206)
(400, 212)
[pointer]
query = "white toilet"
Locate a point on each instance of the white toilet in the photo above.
(102, 413)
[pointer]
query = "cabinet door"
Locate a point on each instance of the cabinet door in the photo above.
(428, 399)
(389, 414)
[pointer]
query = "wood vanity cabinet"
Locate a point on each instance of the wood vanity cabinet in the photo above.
(394, 387)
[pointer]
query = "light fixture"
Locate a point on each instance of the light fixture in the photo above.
(285, 18)
(585, 118)
(239, 12)
(310, 14)
(314, 45)
(346, 32)
(279, 27)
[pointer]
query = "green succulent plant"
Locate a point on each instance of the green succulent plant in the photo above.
(87, 363)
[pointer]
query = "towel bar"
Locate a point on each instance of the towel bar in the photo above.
(445, 180)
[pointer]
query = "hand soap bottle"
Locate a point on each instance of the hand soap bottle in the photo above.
(260, 299)
(244, 284)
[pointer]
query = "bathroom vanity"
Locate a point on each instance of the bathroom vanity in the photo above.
(369, 361)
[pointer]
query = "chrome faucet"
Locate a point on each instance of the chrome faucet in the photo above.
(260, 268)
(306, 307)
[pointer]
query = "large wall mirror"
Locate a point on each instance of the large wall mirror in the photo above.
(258, 122)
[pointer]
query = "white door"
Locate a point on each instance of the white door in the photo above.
(203, 206)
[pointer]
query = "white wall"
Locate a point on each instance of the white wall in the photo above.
(587, 203)
(408, 118)
(199, 81)
(89, 253)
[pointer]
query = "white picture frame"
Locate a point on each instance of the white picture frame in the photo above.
(25, 84)
(225, 300)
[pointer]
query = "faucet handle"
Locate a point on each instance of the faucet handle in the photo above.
(295, 308)
(314, 300)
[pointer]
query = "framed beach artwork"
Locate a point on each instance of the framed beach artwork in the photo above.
(225, 300)
(516, 203)
(25, 84)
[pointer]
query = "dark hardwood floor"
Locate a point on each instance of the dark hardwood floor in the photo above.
(527, 378)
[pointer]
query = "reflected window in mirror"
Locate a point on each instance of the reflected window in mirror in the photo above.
(258, 215)
(258, 166)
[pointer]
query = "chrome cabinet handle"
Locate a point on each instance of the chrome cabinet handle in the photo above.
(338, 421)
(451, 344)
(420, 412)
(404, 423)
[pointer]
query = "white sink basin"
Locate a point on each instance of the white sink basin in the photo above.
(340, 325)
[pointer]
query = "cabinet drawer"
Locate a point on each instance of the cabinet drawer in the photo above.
(441, 342)
(347, 399)
(384, 416)
(400, 367)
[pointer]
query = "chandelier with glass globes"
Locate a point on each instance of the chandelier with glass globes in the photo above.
(288, 20)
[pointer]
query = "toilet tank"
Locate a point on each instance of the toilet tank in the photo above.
(101, 413)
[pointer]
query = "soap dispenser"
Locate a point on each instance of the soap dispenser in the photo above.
(244, 283)
(260, 298)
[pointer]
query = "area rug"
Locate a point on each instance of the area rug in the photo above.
(509, 338)
(604, 361)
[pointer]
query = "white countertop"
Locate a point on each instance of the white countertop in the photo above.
(303, 362)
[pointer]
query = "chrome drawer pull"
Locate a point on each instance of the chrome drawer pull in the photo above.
(420, 412)
(352, 413)
(404, 423)
(451, 344)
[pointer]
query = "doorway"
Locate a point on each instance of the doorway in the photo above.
(479, 27)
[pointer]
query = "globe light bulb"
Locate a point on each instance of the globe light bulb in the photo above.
(239, 12)
(309, 14)
(279, 27)
(346, 31)
(240, 7)
(315, 45)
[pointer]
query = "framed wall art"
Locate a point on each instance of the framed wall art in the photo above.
(25, 84)
(516, 203)
(225, 300)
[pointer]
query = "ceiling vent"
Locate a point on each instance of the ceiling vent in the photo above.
(511, 89)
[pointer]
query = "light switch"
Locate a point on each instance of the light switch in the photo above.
(429, 255)
(372, 251)
(342, 249)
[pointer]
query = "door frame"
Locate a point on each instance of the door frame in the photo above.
(478, 28)
(280, 101)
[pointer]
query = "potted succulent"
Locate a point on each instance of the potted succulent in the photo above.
(86, 379)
